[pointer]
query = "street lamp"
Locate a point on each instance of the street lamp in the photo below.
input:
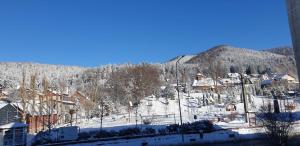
(178, 94)
(178, 88)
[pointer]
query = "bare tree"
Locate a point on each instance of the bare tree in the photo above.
(133, 83)
(278, 127)
(23, 96)
(33, 93)
(98, 96)
(49, 107)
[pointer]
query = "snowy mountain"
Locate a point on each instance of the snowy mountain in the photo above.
(184, 59)
(287, 51)
(278, 60)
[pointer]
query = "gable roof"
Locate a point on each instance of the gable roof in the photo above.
(36, 109)
(3, 104)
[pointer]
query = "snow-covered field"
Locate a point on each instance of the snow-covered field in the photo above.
(162, 112)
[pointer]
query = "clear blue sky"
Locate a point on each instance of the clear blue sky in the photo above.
(97, 32)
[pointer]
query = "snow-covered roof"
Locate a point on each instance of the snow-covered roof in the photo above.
(230, 81)
(204, 82)
(233, 75)
(199, 74)
(3, 104)
(162, 87)
(36, 109)
(283, 76)
(13, 125)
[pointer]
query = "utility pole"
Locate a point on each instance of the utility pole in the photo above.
(244, 98)
(178, 94)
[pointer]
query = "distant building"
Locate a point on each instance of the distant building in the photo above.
(47, 108)
(201, 83)
(83, 105)
(235, 78)
(227, 82)
(37, 116)
(285, 77)
(281, 80)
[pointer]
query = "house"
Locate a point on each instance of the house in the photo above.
(64, 104)
(83, 105)
(201, 83)
(8, 113)
(280, 80)
(38, 116)
(13, 134)
(235, 78)
(41, 121)
(285, 77)
(42, 111)
(227, 82)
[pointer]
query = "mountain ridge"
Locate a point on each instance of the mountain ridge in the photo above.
(278, 59)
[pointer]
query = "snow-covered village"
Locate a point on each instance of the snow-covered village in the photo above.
(150, 73)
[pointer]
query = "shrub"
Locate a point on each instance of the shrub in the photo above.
(130, 132)
(103, 134)
(172, 128)
(114, 133)
(149, 131)
(83, 135)
(162, 131)
(204, 125)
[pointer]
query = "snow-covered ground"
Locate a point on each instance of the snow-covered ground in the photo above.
(162, 112)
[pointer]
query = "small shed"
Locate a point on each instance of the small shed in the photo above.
(13, 134)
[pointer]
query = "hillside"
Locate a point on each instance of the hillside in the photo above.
(242, 58)
(287, 51)
(184, 59)
(11, 72)
(278, 60)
